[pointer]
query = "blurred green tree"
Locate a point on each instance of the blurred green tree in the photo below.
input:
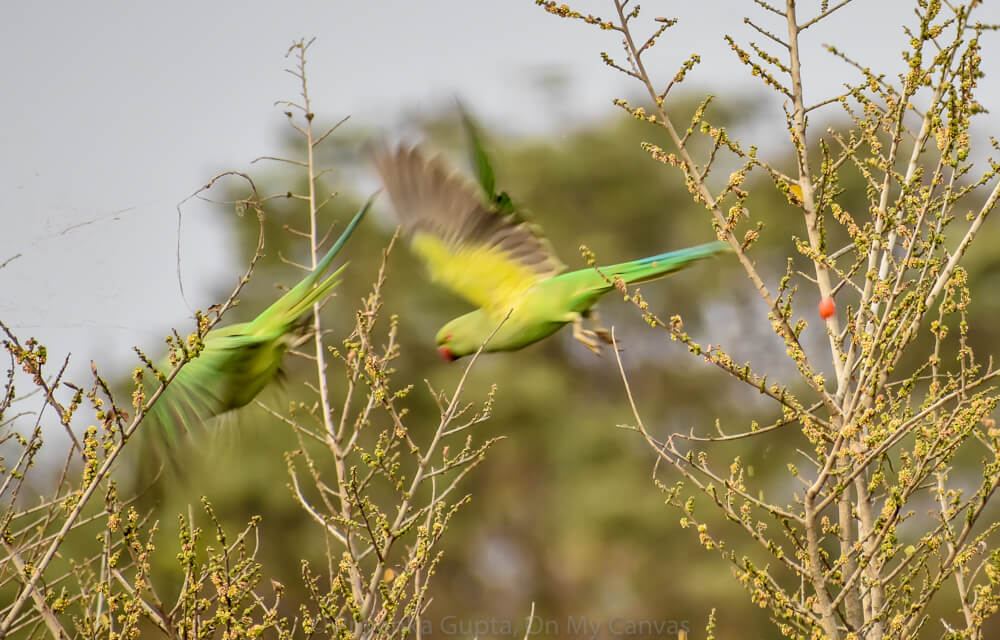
(562, 512)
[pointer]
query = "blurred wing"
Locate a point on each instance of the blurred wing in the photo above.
(488, 257)
(231, 370)
(484, 171)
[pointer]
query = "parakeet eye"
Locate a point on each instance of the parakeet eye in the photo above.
(448, 337)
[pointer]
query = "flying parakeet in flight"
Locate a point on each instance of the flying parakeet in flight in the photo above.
(239, 360)
(474, 241)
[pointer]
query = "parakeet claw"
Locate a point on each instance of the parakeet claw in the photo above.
(586, 337)
(598, 331)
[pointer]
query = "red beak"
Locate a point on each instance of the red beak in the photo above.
(446, 354)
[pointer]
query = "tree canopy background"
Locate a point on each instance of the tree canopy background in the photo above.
(563, 513)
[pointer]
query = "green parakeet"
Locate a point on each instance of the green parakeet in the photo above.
(239, 360)
(474, 241)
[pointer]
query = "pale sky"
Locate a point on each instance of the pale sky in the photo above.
(113, 112)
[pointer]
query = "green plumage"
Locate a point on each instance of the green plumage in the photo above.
(239, 360)
(551, 304)
(475, 241)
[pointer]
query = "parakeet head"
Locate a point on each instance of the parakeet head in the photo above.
(454, 340)
(446, 345)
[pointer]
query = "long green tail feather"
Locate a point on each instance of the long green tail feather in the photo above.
(286, 309)
(317, 294)
(659, 265)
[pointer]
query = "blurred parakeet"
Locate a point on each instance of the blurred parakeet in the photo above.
(239, 360)
(475, 242)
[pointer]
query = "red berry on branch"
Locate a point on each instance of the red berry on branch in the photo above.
(826, 307)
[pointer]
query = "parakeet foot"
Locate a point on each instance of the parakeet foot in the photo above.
(586, 337)
(599, 331)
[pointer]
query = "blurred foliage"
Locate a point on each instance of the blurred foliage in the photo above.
(563, 512)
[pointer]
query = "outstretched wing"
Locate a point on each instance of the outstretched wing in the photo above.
(487, 256)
